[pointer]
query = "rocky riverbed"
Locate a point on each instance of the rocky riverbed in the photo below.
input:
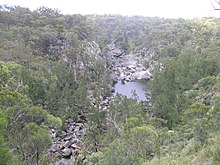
(67, 143)
(127, 67)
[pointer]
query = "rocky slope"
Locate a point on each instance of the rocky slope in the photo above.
(67, 144)
(127, 67)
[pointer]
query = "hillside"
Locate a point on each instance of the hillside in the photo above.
(57, 75)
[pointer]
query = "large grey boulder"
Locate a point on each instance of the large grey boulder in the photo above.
(68, 144)
(66, 152)
(142, 75)
(55, 147)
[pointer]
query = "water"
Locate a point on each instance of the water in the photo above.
(128, 88)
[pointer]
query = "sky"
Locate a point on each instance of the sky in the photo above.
(159, 8)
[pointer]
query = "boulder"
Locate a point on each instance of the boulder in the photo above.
(122, 76)
(68, 137)
(77, 129)
(67, 144)
(75, 146)
(142, 75)
(53, 135)
(74, 140)
(53, 130)
(71, 128)
(79, 124)
(63, 134)
(81, 132)
(66, 152)
(115, 53)
(55, 147)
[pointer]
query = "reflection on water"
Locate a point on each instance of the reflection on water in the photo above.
(128, 88)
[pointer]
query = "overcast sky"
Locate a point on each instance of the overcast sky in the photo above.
(161, 8)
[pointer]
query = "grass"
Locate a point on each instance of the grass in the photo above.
(192, 154)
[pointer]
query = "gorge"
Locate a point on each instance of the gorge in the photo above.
(60, 75)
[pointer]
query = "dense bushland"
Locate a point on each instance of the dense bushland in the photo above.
(50, 63)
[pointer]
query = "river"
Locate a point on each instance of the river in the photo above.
(128, 88)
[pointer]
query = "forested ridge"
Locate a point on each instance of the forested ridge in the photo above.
(57, 73)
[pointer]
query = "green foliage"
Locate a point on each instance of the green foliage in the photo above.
(143, 141)
(193, 152)
(124, 108)
(196, 118)
(164, 94)
(23, 126)
(133, 122)
(5, 155)
(37, 142)
(168, 85)
(196, 110)
(56, 122)
(206, 82)
(50, 62)
(214, 116)
(97, 119)
(135, 146)
(205, 90)
(11, 74)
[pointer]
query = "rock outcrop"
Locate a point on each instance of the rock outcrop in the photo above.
(127, 67)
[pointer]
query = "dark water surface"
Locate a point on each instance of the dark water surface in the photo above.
(127, 89)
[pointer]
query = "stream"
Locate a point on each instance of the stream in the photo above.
(128, 88)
